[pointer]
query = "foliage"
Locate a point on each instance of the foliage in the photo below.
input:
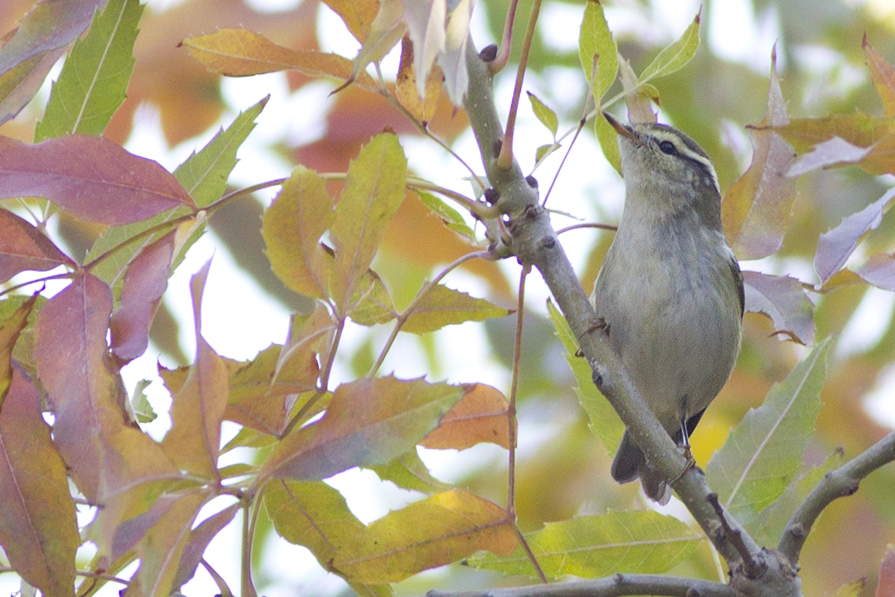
(351, 236)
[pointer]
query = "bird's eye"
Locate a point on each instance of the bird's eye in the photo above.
(667, 147)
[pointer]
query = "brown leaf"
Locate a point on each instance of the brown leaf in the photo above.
(369, 421)
(83, 388)
(162, 547)
(144, 284)
(194, 441)
(879, 271)
(835, 246)
(39, 40)
(38, 529)
(406, 88)
(91, 177)
(23, 247)
(783, 300)
(833, 152)
(262, 393)
(858, 129)
(883, 76)
(198, 541)
(241, 53)
(756, 209)
(10, 328)
(480, 416)
(441, 529)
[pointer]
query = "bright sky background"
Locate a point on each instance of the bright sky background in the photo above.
(239, 320)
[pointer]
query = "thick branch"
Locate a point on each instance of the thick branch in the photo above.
(615, 586)
(534, 242)
(842, 482)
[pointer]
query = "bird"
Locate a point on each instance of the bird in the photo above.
(670, 291)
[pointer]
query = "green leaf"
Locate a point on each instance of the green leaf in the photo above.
(608, 138)
(544, 114)
(372, 302)
(292, 227)
(203, 175)
(93, 81)
(675, 56)
(408, 471)
(596, 43)
(604, 422)
(442, 306)
(764, 452)
(140, 405)
(592, 546)
(373, 192)
(450, 216)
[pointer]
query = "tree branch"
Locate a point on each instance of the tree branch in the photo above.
(614, 586)
(842, 482)
(534, 242)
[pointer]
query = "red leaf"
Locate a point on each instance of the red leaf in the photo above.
(84, 391)
(38, 42)
(38, 528)
(783, 300)
(23, 247)
(144, 283)
(90, 177)
(835, 246)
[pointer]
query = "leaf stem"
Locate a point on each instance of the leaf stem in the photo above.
(402, 317)
(505, 158)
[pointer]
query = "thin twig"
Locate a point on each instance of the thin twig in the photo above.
(505, 158)
(506, 42)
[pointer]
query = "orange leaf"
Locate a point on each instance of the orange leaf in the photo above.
(444, 528)
(883, 76)
(38, 529)
(406, 89)
(241, 53)
(480, 416)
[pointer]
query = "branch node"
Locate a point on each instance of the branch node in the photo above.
(532, 181)
(488, 53)
(492, 195)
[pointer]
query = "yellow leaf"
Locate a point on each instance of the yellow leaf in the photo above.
(241, 53)
(883, 76)
(439, 530)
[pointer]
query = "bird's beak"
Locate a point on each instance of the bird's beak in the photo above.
(624, 131)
